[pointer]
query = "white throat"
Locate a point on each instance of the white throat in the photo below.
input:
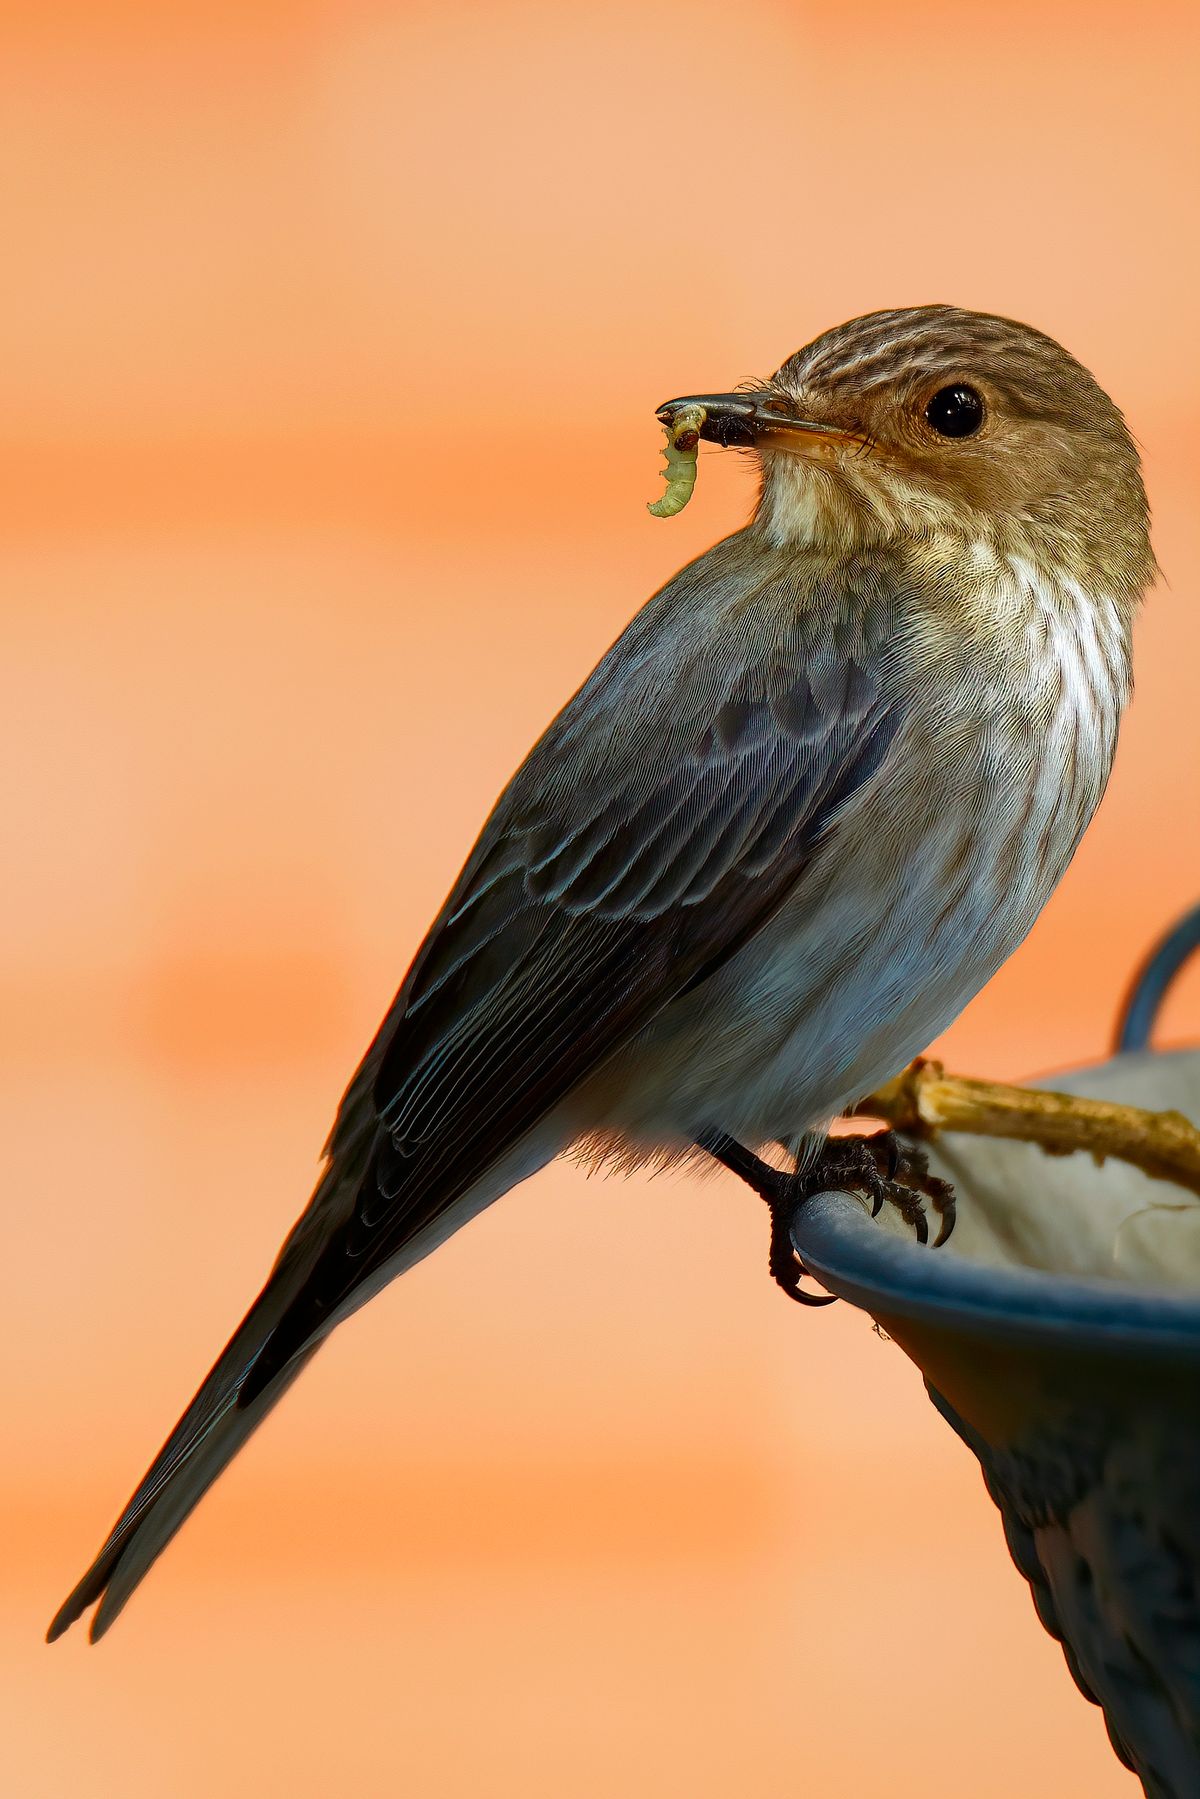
(825, 499)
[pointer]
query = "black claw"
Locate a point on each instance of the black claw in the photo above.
(888, 1144)
(949, 1217)
(810, 1299)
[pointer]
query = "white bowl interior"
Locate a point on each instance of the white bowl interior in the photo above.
(1020, 1208)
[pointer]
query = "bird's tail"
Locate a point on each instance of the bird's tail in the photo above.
(205, 1440)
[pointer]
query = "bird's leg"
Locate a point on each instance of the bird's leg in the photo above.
(883, 1167)
(779, 1187)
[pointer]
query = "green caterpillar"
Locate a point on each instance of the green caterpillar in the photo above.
(683, 444)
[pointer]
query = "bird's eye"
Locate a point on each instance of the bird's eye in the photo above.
(955, 411)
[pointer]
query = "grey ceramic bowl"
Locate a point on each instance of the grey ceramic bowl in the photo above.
(1059, 1335)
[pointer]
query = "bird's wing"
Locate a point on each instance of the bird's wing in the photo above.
(657, 825)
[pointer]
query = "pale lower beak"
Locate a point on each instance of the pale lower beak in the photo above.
(745, 420)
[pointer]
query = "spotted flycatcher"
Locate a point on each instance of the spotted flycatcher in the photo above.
(805, 806)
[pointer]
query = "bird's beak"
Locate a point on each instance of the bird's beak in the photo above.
(749, 420)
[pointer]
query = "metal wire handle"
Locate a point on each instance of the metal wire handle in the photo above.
(1142, 1003)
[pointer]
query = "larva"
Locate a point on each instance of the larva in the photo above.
(683, 443)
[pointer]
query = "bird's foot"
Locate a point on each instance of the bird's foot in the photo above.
(884, 1167)
(905, 1182)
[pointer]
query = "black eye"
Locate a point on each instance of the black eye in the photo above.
(955, 411)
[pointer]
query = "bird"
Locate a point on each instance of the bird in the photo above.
(809, 801)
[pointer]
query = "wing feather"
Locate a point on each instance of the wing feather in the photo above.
(661, 821)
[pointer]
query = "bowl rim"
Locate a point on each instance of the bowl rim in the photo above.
(839, 1243)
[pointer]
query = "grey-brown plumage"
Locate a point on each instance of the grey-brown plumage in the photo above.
(811, 798)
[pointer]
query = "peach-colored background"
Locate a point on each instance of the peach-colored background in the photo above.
(583, 1507)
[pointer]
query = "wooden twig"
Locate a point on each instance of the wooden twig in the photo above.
(925, 1100)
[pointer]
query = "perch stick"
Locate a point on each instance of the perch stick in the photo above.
(924, 1100)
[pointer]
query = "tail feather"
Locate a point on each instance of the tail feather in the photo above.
(278, 1336)
(206, 1438)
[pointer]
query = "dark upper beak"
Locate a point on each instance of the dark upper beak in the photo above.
(743, 420)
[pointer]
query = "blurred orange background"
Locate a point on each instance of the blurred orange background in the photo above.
(332, 337)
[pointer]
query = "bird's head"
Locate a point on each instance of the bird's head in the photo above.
(935, 421)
